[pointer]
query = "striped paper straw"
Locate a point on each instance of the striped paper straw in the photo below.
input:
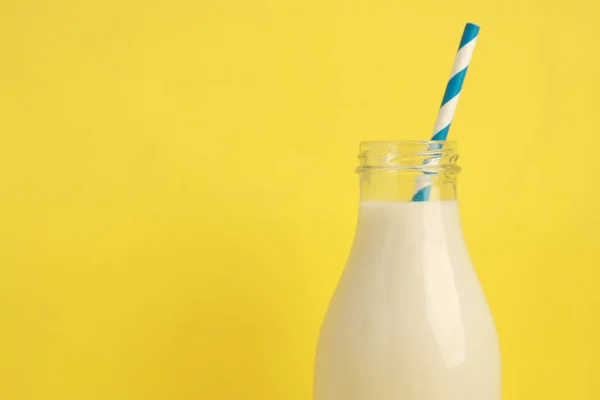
(450, 100)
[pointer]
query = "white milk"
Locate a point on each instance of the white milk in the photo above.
(409, 320)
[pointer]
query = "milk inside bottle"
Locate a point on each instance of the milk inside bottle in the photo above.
(409, 319)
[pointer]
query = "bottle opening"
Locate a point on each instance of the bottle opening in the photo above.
(409, 156)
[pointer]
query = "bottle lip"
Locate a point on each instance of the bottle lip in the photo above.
(425, 156)
(371, 143)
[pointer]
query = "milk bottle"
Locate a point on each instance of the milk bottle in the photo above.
(408, 320)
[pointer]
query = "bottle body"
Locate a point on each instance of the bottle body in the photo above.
(409, 319)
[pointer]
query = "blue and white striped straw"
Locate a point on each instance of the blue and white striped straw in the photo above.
(450, 100)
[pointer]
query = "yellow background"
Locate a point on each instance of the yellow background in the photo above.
(177, 196)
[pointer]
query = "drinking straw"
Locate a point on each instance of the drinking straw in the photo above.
(450, 100)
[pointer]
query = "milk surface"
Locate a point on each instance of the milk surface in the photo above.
(409, 320)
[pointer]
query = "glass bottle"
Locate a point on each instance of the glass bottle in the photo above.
(409, 319)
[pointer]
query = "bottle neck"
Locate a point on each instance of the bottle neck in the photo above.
(408, 171)
(414, 237)
(397, 186)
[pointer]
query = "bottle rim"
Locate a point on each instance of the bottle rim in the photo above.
(418, 156)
